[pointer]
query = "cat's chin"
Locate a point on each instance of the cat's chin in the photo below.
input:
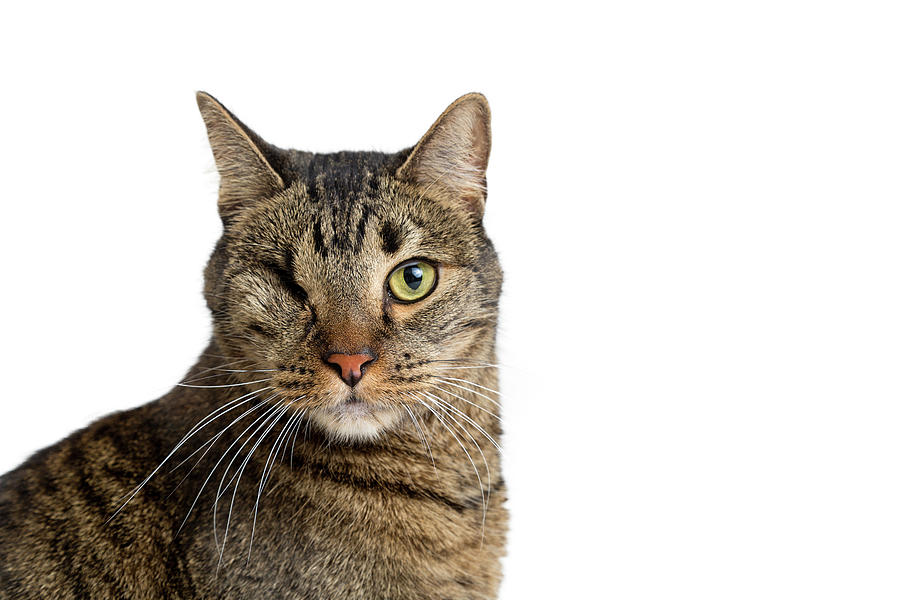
(353, 421)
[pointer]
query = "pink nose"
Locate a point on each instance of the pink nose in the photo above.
(350, 365)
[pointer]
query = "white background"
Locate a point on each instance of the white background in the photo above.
(696, 205)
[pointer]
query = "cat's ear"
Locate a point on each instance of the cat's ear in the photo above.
(244, 160)
(451, 159)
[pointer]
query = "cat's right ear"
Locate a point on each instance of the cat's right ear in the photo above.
(244, 160)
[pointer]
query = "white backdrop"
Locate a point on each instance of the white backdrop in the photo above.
(696, 205)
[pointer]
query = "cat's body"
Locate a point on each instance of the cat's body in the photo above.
(384, 485)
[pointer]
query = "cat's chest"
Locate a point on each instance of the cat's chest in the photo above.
(312, 536)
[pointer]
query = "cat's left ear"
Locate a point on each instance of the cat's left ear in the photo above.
(244, 160)
(451, 159)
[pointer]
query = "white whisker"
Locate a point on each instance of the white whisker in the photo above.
(210, 443)
(487, 389)
(461, 445)
(252, 396)
(224, 454)
(225, 385)
(470, 367)
(471, 391)
(237, 483)
(422, 434)
(197, 427)
(466, 417)
(484, 460)
(478, 406)
(264, 477)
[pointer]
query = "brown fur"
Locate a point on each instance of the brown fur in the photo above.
(370, 494)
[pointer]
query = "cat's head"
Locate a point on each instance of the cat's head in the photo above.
(353, 279)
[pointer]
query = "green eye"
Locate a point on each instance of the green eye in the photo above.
(412, 281)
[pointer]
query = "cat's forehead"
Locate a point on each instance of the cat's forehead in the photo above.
(335, 230)
(377, 221)
(346, 214)
(342, 178)
(352, 223)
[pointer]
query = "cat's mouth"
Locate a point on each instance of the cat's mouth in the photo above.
(355, 406)
(354, 418)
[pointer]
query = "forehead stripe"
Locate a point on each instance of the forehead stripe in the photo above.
(391, 237)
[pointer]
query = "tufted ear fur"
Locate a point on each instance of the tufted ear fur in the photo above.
(451, 159)
(244, 160)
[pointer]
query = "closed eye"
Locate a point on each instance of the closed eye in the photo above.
(288, 282)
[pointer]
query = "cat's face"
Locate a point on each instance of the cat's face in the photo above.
(345, 278)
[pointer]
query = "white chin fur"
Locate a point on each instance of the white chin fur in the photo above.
(351, 427)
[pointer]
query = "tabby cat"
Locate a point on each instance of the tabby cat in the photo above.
(337, 438)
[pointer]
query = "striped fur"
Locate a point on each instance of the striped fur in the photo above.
(291, 484)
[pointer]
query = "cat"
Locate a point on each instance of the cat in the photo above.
(338, 438)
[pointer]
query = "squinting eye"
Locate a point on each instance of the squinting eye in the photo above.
(412, 281)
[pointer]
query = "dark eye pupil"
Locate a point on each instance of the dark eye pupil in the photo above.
(412, 275)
